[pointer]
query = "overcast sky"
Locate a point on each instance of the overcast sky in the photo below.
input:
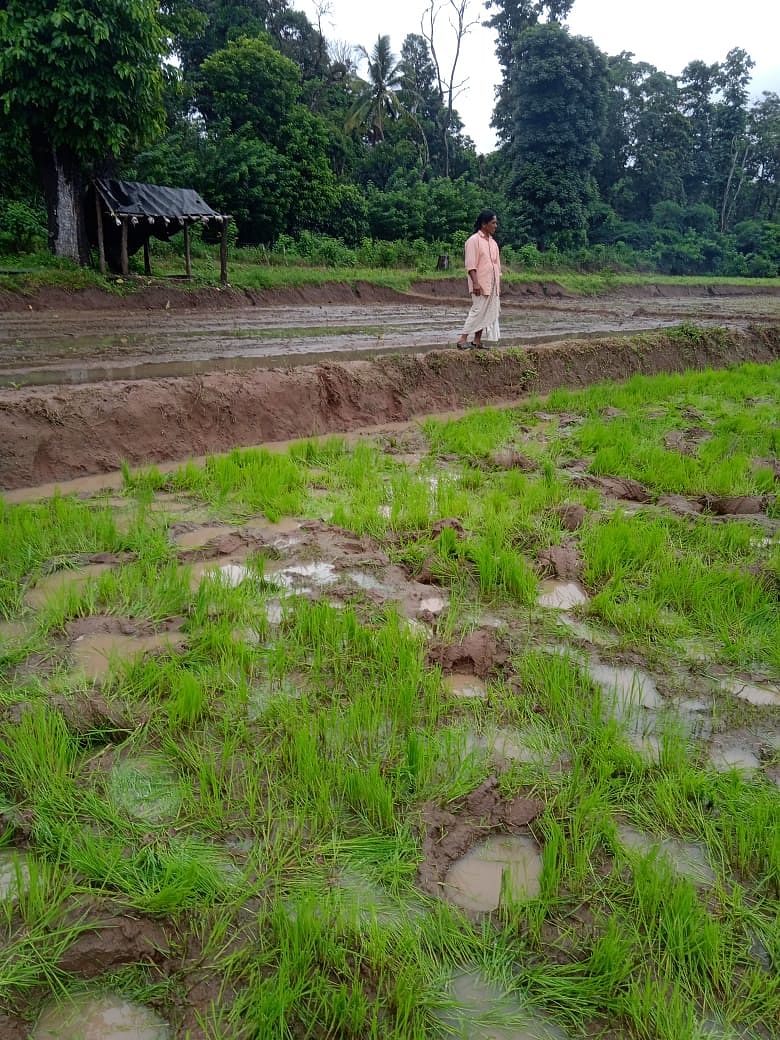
(666, 33)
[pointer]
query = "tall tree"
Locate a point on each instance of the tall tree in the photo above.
(558, 105)
(764, 133)
(378, 101)
(730, 142)
(202, 27)
(249, 82)
(698, 84)
(510, 20)
(660, 145)
(461, 23)
(83, 80)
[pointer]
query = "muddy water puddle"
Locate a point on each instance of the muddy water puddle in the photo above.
(482, 1010)
(688, 859)
(14, 874)
(587, 633)
(199, 537)
(364, 901)
(561, 595)
(530, 746)
(761, 696)
(370, 582)
(302, 578)
(105, 1017)
(465, 687)
(626, 688)
(146, 787)
(53, 584)
(93, 655)
(262, 696)
(725, 757)
(509, 864)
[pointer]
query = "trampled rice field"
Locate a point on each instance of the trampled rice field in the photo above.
(471, 729)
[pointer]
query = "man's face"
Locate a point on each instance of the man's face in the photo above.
(490, 227)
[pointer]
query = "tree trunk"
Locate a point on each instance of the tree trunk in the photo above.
(63, 187)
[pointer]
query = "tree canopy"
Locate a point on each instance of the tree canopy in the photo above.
(606, 158)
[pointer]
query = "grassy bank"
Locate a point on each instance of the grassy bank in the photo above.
(248, 270)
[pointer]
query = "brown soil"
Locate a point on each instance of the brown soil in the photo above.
(478, 653)
(92, 713)
(109, 942)
(561, 561)
(451, 832)
(230, 543)
(571, 515)
(162, 295)
(59, 432)
(508, 458)
(739, 505)
(686, 441)
(172, 297)
(615, 487)
(110, 625)
(680, 505)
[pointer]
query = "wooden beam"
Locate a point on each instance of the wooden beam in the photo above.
(223, 247)
(100, 238)
(125, 260)
(187, 255)
(147, 259)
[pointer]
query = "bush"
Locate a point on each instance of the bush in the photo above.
(22, 227)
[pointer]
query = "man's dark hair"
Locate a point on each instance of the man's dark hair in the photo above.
(485, 216)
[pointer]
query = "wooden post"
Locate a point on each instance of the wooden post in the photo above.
(147, 259)
(223, 246)
(187, 257)
(125, 260)
(101, 240)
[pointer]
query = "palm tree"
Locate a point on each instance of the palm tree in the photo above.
(378, 98)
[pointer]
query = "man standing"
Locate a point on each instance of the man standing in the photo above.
(483, 265)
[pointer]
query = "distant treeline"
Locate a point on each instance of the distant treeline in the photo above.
(602, 161)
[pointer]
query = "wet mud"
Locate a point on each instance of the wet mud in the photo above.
(103, 1017)
(479, 653)
(107, 942)
(60, 432)
(450, 833)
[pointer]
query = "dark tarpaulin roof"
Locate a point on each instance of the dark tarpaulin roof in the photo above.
(151, 200)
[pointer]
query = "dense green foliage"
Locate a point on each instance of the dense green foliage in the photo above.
(603, 161)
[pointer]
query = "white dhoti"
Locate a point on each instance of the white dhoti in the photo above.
(483, 316)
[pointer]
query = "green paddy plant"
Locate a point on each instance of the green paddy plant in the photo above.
(49, 532)
(501, 572)
(472, 437)
(250, 480)
(319, 453)
(187, 701)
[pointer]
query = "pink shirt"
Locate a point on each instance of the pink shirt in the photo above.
(483, 257)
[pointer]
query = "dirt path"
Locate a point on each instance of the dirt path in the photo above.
(56, 433)
(69, 340)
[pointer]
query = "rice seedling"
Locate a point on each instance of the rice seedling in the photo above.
(273, 786)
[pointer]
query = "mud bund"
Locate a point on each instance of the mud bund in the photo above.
(56, 433)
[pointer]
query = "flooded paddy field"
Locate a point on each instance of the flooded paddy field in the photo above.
(469, 729)
(67, 345)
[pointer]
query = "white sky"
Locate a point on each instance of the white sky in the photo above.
(666, 33)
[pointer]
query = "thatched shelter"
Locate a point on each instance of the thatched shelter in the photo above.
(123, 215)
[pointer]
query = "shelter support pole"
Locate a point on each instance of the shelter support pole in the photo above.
(125, 260)
(147, 259)
(101, 240)
(187, 255)
(223, 246)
